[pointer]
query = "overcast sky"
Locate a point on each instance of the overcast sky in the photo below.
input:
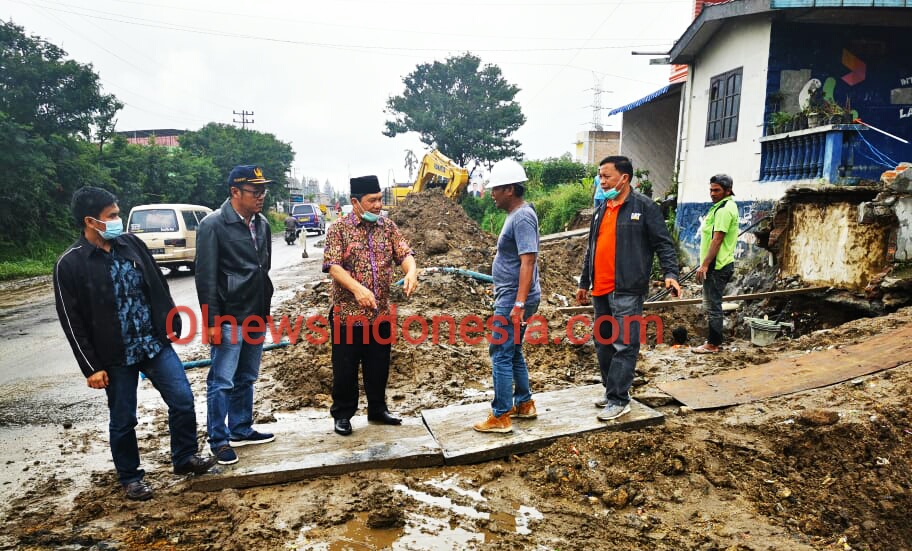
(318, 74)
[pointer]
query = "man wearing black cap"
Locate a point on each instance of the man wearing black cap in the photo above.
(233, 257)
(718, 237)
(361, 252)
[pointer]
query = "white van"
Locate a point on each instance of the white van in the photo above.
(169, 231)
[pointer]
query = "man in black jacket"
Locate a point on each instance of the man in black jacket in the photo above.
(627, 230)
(233, 257)
(115, 309)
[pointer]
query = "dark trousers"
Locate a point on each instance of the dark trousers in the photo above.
(167, 376)
(374, 359)
(713, 291)
(617, 359)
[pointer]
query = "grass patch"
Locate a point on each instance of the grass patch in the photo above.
(276, 222)
(34, 260)
(556, 207)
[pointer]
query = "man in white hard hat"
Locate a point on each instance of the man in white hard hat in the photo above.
(516, 297)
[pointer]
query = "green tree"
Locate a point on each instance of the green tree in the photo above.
(228, 146)
(465, 110)
(48, 107)
(157, 174)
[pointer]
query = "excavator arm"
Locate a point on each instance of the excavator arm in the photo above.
(438, 170)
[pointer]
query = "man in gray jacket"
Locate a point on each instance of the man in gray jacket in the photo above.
(627, 230)
(233, 257)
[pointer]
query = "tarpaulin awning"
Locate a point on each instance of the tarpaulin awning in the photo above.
(644, 100)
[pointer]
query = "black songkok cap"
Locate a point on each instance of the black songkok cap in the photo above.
(363, 185)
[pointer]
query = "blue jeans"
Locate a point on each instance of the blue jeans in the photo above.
(511, 375)
(166, 374)
(617, 360)
(713, 290)
(229, 387)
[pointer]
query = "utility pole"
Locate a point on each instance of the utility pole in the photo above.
(243, 122)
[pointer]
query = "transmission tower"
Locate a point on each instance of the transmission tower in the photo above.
(244, 121)
(597, 92)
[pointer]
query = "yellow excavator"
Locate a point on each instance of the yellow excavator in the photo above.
(436, 170)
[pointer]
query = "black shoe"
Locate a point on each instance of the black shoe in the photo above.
(138, 491)
(196, 465)
(385, 418)
(343, 427)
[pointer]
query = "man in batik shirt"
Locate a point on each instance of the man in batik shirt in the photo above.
(360, 254)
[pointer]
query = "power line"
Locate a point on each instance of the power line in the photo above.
(243, 122)
(248, 16)
(142, 22)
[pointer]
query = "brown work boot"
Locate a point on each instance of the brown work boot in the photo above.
(495, 424)
(526, 410)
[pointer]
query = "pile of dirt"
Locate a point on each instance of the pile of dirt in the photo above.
(560, 265)
(442, 234)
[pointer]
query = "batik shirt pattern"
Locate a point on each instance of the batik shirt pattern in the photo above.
(133, 311)
(369, 252)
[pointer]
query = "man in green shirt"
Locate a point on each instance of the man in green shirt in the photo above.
(718, 236)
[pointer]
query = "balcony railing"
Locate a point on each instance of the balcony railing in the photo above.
(824, 152)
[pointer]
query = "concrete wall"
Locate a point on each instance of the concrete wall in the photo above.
(690, 216)
(650, 136)
(867, 66)
(594, 145)
(825, 245)
(904, 236)
(741, 43)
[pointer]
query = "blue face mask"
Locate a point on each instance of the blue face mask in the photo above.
(368, 216)
(602, 195)
(113, 228)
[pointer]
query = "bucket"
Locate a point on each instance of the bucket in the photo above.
(763, 334)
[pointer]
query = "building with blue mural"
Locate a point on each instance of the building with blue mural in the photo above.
(787, 93)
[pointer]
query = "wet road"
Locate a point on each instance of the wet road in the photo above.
(36, 359)
(48, 416)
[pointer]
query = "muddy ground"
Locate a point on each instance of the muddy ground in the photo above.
(829, 468)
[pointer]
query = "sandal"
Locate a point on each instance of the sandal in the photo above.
(704, 349)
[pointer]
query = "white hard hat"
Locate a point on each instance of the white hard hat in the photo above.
(506, 172)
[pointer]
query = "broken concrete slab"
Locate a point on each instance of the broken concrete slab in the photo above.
(560, 413)
(653, 398)
(788, 375)
(306, 446)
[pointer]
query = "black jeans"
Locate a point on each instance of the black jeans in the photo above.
(374, 359)
(713, 289)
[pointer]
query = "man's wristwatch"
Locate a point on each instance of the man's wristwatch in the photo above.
(519, 304)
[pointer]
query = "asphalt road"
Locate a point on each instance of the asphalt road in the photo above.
(35, 356)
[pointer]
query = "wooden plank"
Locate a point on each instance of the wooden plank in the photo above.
(562, 235)
(560, 413)
(788, 375)
(306, 446)
(691, 301)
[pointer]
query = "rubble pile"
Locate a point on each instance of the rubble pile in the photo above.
(442, 234)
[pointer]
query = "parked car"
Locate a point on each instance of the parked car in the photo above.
(309, 216)
(169, 231)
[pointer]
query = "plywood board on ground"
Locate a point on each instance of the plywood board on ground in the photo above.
(306, 446)
(560, 413)
(788, 375)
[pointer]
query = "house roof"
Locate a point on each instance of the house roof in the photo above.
(663, 91)
(713, 16)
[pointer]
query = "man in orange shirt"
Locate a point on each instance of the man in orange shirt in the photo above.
(625, 233)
